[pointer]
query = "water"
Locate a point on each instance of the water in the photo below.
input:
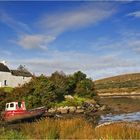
(122, 117)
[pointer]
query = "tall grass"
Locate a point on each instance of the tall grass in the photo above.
(63, 129)
(10, 134)
(76, 128)
(119, 131)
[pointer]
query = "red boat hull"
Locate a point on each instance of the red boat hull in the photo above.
(19, 115)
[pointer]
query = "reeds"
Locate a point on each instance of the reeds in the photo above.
(48, 128)
(121, 130)
(76, 128)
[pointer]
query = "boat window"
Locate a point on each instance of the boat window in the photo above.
(7, 105)
(11, 105)
(19, 104)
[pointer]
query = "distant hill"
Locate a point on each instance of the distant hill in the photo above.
(122, 84)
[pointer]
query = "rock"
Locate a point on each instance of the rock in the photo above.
(79, 107)
(63, 110)
(68, 97)
(78, 111)
(89, 103)
(52, 110)
(72, 109)
(103, 108)
(97, 106)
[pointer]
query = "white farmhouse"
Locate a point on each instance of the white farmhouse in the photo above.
(13, 78)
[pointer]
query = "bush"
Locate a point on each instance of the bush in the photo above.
(48, 91)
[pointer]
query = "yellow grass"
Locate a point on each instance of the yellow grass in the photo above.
(78, 128)
(119, 131)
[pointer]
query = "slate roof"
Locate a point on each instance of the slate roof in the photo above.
(21, 73)
(4, 68)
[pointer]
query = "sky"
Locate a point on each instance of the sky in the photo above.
(101, 39)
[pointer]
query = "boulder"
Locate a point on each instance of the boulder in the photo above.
(97, 106)
(72, 109)
(63, 110)
(52, 110)
(69, 97)
(78, 111)
(103, 108)
(79, 107)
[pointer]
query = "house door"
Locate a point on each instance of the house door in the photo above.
(5, 82)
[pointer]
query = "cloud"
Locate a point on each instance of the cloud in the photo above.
(135, 14)
(96, 67)
(12, 23)
(83, 16)
(5, 52)
(34, 41)
(51, 25)
(135, 45)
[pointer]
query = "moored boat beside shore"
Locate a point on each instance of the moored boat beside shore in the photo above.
(16, 111)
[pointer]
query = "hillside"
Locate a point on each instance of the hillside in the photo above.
(122, 84)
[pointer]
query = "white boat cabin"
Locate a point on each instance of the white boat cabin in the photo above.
(15, 106)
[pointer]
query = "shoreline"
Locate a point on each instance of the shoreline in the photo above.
(119, 94)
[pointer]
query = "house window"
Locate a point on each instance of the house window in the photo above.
(5, 82)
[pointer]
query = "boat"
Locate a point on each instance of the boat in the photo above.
(16, 111)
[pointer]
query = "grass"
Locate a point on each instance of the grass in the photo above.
(122, 104)
(7, 89)
(118, 131)
(11, 134)
(122, 83)
(76, 128)
(54, 129)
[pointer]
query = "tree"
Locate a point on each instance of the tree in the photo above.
(60, 81)
(85, 88)
(78, 76)
(22, 68)
(73, 80)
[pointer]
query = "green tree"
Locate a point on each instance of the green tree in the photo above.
(85, 88)
(73, 80)
(60, 81)
(78, 76)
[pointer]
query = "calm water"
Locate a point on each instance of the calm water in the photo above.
(122, 117)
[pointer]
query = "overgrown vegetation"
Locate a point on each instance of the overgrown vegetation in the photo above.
(76, 101)
(76, 128)
(49, 91)
(122, 83)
